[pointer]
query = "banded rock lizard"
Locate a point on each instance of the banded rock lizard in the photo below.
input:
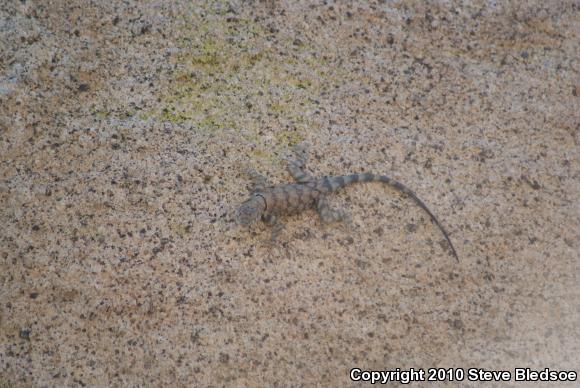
(269, 203)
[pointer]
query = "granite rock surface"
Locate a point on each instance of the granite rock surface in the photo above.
(125, 130)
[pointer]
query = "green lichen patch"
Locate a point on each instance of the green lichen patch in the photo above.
(231, 73)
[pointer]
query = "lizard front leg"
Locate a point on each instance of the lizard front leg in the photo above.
(277, 226)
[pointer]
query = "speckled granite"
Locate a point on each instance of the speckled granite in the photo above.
(124, 132)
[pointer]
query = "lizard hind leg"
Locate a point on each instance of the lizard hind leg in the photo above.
(296, 166)
(329, 215)
(258, 181)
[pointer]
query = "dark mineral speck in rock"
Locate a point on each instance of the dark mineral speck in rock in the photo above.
(84, 88)
(224, 358)
(25, 334)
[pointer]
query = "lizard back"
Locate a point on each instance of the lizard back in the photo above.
(293, 198)
(289, 198)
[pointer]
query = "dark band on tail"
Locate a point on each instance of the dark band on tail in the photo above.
(368, 177)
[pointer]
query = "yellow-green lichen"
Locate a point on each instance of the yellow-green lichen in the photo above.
(178, 228)
(289, 137)
(229, 75)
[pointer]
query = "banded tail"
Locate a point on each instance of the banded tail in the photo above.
(331, 184)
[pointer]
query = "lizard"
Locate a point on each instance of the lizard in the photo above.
(269, 203)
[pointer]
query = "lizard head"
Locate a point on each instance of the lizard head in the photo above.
(250, 211)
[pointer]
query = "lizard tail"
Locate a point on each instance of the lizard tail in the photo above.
(345, 180)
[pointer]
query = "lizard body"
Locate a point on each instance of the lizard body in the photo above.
(268, 203)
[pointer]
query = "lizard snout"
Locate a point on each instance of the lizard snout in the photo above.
(248, 213)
